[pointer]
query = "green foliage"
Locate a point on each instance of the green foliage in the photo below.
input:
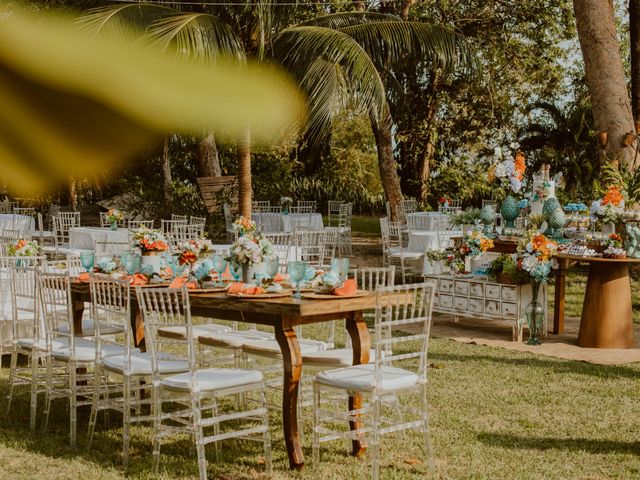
(466, 217)
(506, 265)
(629, 180)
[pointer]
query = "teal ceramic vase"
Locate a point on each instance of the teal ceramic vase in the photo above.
(556, 221)
(487, 217)
(509, 211)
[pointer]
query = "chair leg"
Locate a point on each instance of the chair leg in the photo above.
(12, 374)
(315, 457)
(196, 414)
(157, 412)
(34, 391)
(425, 427)
(374, 448)
(266, 436)
(48, 394)
(73, 403)
(126, 419)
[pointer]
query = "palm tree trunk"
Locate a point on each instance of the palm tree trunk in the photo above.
(167, 180)
(244, 175)
(634, 34)
(406, 6)
(388, 170)
(605, 75)
(208, 160)
(428, 153)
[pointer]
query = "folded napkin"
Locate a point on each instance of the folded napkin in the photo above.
(138, 279)
(349, 287)
(84, 277)
(226, 275)
(179, 281)
(166, 272)
(244, 288)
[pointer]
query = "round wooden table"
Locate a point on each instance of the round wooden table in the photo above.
(606, 312)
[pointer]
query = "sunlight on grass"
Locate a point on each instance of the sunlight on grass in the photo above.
(495, 414)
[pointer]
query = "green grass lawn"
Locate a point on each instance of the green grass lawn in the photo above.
(496, 414)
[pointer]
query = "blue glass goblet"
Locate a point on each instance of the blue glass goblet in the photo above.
(87, 259)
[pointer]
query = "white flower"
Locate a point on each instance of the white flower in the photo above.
(514, 145)
(529, 263)
(501, 171)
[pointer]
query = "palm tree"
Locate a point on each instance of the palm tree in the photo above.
(332, 57)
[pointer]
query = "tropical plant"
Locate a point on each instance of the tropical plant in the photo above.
(628, 180)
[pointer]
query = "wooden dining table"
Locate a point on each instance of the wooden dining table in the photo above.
(283, 314)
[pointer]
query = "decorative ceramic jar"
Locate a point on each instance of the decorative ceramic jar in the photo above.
(509, 211)
(153, 259)
(487, 217)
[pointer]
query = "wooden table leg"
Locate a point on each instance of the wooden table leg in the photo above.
(558, 303)
(361, 345)
(78, 311)
(606, 313)
(292, 362)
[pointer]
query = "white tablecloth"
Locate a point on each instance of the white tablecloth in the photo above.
(421, 240)
(84, 238)
(277, 222)
(223, 249)
(16, 222)
(424, 220)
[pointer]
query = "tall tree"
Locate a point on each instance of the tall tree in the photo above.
(634, 37)
(605, 75)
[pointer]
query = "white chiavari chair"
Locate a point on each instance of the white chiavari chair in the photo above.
(399, 368)
(197, 390)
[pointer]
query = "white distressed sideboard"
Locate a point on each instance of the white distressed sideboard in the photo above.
(477, 297)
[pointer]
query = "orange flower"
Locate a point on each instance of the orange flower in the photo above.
(539, 241)
(613, 196)
(491, 174)
(187, 257)
(520, 165)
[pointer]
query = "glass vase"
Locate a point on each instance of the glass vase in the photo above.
(535, 315)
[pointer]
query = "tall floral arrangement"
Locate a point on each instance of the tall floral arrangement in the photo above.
(149, 240)
(536, 255)
(610, 208)
(508, 169)
(251, 247)
(23, 248)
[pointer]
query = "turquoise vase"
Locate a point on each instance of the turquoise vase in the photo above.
(535, 315)
(509, 211)
(556, 221)
(487, 217)
(114, 226)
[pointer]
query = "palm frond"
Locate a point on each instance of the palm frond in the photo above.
(127, 20)
(330, 66)
(347, 19)
(197, 35)
(393, 43)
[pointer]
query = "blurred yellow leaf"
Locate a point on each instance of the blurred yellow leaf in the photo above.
(72, 103)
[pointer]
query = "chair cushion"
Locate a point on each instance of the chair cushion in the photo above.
(214, 379)
(337, 357)
(271, 349)
(233, 339)
(180, 332)
(141, 364)
(88, 328)
(361, 378)
(85, 351)
(41, 344)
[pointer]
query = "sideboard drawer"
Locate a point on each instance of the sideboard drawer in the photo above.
(476, 290)
(446, 301)
(492, 291)
(445, 285)
(460, 303)
(462, 288)
(509, 309)
(510, 293)
(492, 307)
(476, 305)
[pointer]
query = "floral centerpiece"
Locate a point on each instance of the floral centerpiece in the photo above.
(23, 248)
(444, 202)
(610, 208)
(614, 247)
(435, 259)
(509, 173)
(114, 216)
(285, 204)
(474, 244)
(190, 251)
(245, 226)
(536, 258)
(149, 241)
(250, 249)
(455, 263)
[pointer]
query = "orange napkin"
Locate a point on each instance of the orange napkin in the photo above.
(138, 279)
(84, 277)
(235, 288)
(279, 278)
(254, 290)
(349, 287)
(167, 272)
(178, 282)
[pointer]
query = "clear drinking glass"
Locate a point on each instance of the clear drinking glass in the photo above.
(341, 267)
(273, 264)
(296, 270)
(87, 259)
(236, 271)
